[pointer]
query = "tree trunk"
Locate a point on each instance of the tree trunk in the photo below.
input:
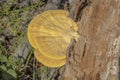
(95, 56)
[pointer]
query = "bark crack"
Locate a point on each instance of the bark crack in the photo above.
(84, 50)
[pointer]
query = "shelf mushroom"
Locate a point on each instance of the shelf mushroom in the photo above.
(50, 34)
(49, 61)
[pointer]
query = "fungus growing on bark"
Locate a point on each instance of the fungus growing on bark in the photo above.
(49, 61)
(50, 34)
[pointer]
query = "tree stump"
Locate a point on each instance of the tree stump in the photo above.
(96, 54)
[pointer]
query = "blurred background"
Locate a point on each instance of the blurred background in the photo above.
(17, 61)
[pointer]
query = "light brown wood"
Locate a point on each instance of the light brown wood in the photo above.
(96, 55)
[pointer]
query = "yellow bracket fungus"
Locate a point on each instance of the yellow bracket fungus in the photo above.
(49, 61)
(50, 34)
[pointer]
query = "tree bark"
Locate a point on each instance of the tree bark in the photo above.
(95, 56)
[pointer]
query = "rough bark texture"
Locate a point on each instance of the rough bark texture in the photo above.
(96, 54)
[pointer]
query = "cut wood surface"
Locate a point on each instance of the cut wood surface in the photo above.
(96, 54)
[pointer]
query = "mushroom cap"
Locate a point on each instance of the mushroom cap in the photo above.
(50, 33)
(49, 61)
(36, 22)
